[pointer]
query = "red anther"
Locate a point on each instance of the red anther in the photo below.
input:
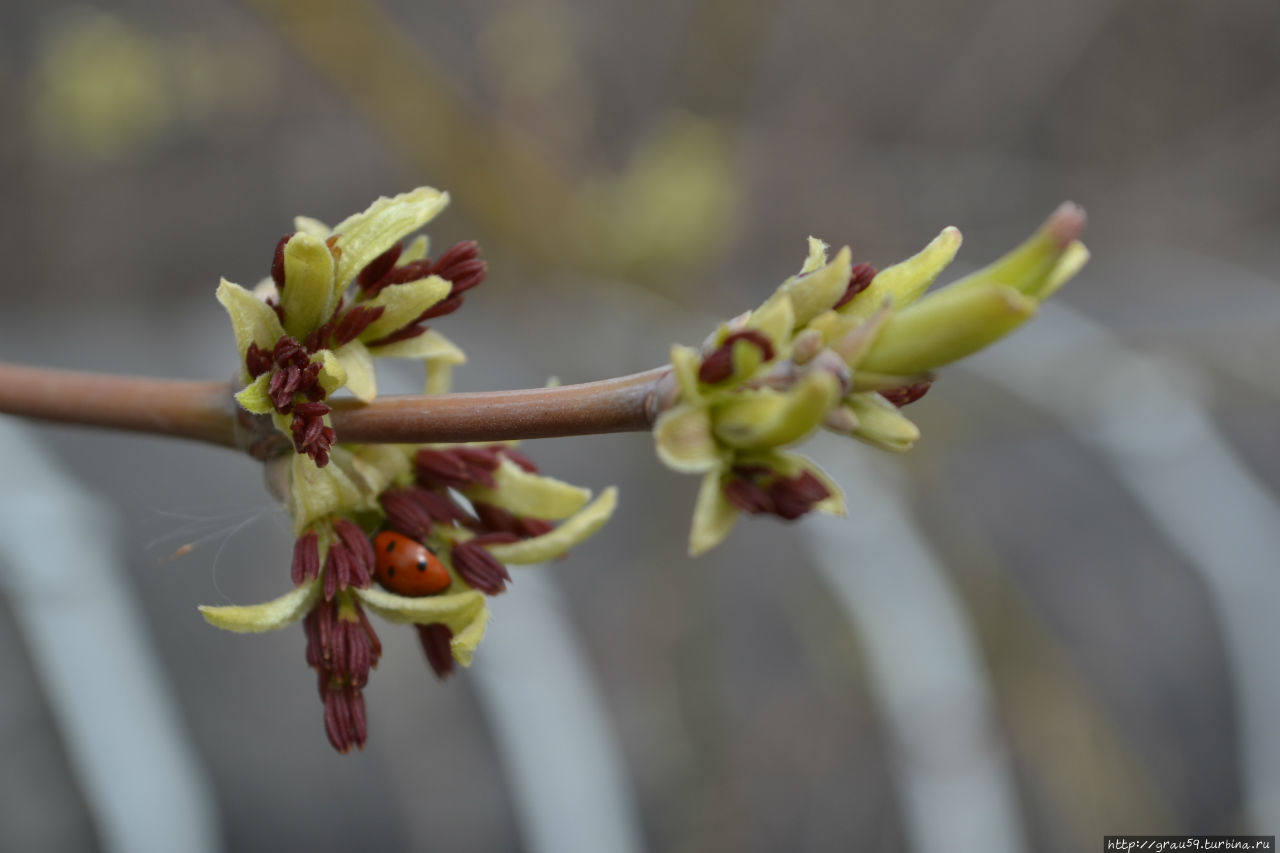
(860, 278)
(405, 514)
(257, 360)
(376, 269)
(439, 507)
(440, 309)
(718, 366)
(480, 569)
(466, 275)
(337, 571)
(288, 351)
(412, 271)
(280, 398)
(494, 538)
(277, 263)
(795, 496)
(907, 394)
(344, 718)
(436, 639)
(403, 334)
(306, 558)
(354, 322)
(441, 469)
(459, 252)
(360, 549)
(498, 520)
(747, 496)
(311, 409)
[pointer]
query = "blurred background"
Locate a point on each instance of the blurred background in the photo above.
(1053, 620)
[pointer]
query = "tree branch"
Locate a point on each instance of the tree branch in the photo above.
(205, 411)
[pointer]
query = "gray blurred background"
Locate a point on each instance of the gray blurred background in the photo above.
(1051, 621)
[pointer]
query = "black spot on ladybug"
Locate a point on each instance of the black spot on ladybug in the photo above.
(422, 564)
(391, 546)
(391, 571)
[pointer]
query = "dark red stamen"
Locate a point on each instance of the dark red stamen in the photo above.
(480, 569)
(435, 639)
(353, 323)
(907, 394)
(376, 270)
(718, 366)
(306, 558)
(496, 519)
(860, 278)
(795, 496)
(760, 491)
(277, 263)
(257, 360)
(457, 468)
(747, 496)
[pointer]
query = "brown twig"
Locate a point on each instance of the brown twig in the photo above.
(206, 412)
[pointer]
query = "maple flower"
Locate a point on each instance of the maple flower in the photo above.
(839, 346)
(336, 299)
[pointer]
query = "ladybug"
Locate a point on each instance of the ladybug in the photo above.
(408, 567)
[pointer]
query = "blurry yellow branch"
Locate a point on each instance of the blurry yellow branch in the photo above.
(672, 204)
(402, 93)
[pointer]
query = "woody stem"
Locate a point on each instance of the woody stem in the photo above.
(206, 412)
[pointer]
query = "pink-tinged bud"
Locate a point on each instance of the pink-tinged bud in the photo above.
(435, 639)
(907, 394)
(860, 278)
(371, 276)
(277, 263)
(306, 558)
(480, 569)
(718, 366)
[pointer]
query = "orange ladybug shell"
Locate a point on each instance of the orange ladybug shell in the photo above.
(407, 567)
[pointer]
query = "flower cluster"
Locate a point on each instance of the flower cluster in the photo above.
(336, 300)
(842, 347)
(415, 534)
